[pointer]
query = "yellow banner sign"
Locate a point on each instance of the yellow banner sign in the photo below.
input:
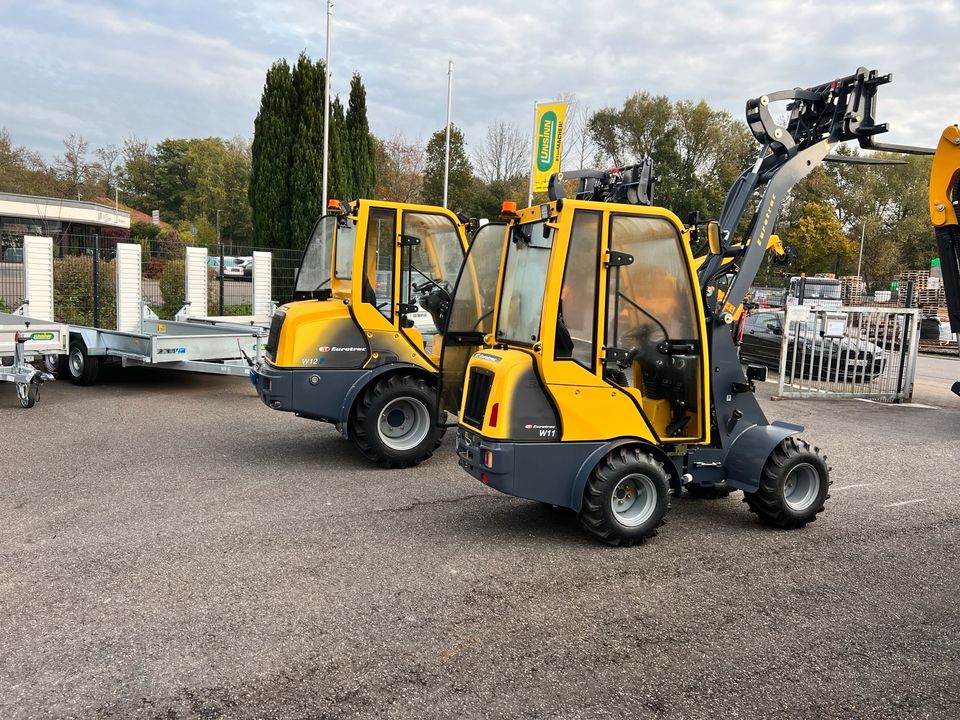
(549, 142)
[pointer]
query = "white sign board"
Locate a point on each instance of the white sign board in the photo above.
(155, 217)
(835, 326)
(933, 283)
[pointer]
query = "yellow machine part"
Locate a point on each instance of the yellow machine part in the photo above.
(944, 176)
(589, 407)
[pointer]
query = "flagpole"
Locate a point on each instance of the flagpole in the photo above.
(326, 107)
(446, 162)
(533, 156)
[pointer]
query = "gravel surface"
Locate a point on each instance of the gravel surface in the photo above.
(174, 549)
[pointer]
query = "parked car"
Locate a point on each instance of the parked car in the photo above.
(247, 262)
(846, 359)
(231, 267)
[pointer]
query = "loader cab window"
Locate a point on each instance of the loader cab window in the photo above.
(429, 267)
(652, 319)
(315, 267)
(524, 282)
(576, 321)
(346, 239)
(379, 251)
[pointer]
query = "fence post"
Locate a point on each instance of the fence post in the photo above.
(905, 344)
(220, 250)
(802, 290)
(96, 280)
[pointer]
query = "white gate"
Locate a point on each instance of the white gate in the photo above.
(849, 352)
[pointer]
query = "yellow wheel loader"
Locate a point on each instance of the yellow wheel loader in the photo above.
(944, 204)
(360, 346)
(607, 374)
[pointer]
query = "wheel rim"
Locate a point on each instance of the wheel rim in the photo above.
(76, 363)
(634, 500)
(403, 423)
(801, 487)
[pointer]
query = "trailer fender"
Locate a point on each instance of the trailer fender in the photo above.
(745, 459)
(586, 468)
(90, 338)
(361, 383)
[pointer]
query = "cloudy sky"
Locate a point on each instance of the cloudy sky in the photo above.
(107, 69)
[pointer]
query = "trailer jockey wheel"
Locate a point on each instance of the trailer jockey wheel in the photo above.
(28, 393)
(626, 497)
(794, 485)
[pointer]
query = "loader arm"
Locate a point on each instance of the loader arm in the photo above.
(820, 118)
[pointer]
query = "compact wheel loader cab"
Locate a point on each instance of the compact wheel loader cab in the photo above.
(360, 346)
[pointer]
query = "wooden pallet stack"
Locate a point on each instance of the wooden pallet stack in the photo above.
(919, 278)
(852, 288)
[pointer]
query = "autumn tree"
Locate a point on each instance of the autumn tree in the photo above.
(400, 166)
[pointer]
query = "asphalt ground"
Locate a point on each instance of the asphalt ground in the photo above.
(171, 548)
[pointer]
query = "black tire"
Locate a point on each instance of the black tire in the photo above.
(794, 485)
(708, 492)
(613, 475)
(28, 394)
(82, 368)
(52, 364)
(397, 394)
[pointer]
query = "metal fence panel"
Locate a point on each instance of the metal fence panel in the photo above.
(849, 352)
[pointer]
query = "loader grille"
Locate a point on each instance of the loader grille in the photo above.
(270, 349)
(478, 392)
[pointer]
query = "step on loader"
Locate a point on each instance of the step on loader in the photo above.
(360, 345)
(607, 374)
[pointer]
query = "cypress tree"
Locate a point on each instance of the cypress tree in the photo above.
(361, 151)
(339, 174)
(306, 170)
(273, 132)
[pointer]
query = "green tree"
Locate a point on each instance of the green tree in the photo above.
(339, 177)
(271, 156)
(461, 187)
(306, 168)
(361, 152)
(697, 151)
(820, 242)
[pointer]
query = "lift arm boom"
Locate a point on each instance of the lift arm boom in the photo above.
(944, 201)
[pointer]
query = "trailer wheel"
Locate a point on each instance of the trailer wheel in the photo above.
(626, 498)
(28, 393)
(709, 492)
(83, 368)
(394, 422)
(51, 363)
(794, 485)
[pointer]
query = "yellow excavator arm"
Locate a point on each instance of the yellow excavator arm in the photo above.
(944, 201)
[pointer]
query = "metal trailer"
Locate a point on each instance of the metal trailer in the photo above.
(29, 335)
(24, 341)
(141, 338)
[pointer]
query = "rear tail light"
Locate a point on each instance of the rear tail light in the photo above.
(488, 458)
(275, 404)
(483, 478)
(494, 414)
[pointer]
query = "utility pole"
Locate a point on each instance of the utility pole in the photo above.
(446, 162)
(533, 157)
(326, 106)
(863, 232)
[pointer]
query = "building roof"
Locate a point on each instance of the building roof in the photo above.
(35, 207)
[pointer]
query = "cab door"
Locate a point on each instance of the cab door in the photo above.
(471, 311)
